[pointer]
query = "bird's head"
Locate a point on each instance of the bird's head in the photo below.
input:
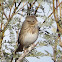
(31, 20)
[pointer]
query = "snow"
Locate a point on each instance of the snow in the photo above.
(41, 59)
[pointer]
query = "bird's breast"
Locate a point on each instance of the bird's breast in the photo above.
(29, 38)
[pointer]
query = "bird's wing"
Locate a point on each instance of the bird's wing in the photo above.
(21, 33)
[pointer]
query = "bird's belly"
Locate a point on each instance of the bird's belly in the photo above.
(30, 38)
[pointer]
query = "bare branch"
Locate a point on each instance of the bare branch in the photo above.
(5, 15)
(26, 52)
(21, 8)
(56, 8)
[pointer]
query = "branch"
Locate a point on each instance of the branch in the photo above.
(14, 12)
(21, 8)
(5, 15)
(26, 52)
(56, 8)
(59, 28)
(59, 8)
(56, 19)
(36, 9)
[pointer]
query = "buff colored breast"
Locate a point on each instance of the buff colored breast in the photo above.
(29, 38)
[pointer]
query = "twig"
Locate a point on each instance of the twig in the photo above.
(55, 45)
(36, 9)
(59, 8)
(2, 17)
(56, 19)
(21, 8)
(55, 8)
(1, 37)
(5, 15)
(26, 52)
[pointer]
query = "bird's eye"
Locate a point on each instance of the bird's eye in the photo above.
(28, 21)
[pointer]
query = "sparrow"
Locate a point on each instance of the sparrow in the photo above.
(28, 33)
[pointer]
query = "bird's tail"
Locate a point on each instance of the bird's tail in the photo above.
(19, 49)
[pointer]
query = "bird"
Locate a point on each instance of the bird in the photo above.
(28, 33)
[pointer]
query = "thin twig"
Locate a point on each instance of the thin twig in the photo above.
(55, 46)
(36, 9)
(21, 8)
(56, 19)
(55, 8)
(5, 15)
(59, 8)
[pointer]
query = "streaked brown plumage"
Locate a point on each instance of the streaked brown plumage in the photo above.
(28, 33)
